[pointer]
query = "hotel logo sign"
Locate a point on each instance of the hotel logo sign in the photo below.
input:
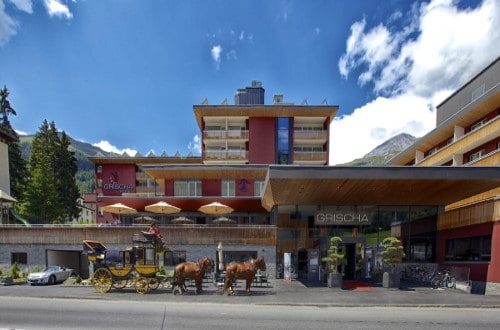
(341, 218)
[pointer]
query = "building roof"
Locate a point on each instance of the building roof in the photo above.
(387, 185)
(256, 110)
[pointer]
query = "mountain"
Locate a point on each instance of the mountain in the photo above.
(384, 152)
(85, 174)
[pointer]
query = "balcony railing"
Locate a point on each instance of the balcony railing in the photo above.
(317, 157)
(225, 135)
(225, 155)
(310, 135)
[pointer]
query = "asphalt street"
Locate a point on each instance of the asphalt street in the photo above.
(278, 292)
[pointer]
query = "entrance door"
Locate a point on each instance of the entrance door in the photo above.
(350, 257)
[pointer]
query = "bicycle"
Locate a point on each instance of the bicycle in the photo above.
(444, 279)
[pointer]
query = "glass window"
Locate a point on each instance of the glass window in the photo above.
(258, 188)
(187, 188)
(470, 249)
(227, 188)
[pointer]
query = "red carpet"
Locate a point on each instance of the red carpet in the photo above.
(356, 286)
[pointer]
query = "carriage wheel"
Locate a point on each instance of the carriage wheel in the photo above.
(120, 284)
(153, 283)
(102, 280)
(142, 285)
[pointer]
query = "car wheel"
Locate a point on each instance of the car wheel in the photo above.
(72, 275)
(52, 280)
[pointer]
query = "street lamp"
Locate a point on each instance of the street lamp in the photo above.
(219, 251)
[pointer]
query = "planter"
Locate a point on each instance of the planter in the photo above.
(391, 279)
(334, 280)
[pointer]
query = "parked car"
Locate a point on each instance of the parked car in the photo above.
(51, 275)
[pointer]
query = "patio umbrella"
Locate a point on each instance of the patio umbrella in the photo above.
(215, 208)
(162, 207)
(144, 219)
(4, 197)
(182, 221)
(223, 221)
(118, 208)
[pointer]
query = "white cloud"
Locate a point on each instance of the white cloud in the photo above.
(195, 145)
(216, 52)
(353, 136)
(106, 146)
(7, 25)
(23, 5)
(411, 68)
(57, 8)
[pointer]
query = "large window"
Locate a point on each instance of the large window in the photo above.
(469, 249)
(258, 188)
(227, 188)
(283, 141)
(191, 188)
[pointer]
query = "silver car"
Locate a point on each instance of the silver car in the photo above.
(51, 275)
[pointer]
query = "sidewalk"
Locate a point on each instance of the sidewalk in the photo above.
(279, 292)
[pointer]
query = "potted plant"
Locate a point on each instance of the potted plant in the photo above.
(392, 254)
(333, 260)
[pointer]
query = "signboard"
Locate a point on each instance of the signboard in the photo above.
(313, 273)
(342, 218)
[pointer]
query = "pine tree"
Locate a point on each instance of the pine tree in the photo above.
(42, 198)
(66, 169)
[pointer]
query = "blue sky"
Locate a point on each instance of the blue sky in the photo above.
(125, 74)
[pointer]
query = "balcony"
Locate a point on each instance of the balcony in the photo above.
(308, 136)
(310, 158)
(223, 135)
(226, 156)
(487, 132)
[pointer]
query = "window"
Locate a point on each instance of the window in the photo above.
(432, 151)
(187, 188)
(469, 249)
(20, 258)
(227, 188)
(99, 168)
(478, 125)
(476, 155)
(258, 188)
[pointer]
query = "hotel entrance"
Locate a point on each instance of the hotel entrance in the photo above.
(355, 260)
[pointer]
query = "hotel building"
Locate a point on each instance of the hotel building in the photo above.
(467, 133)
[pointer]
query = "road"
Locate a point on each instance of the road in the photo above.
(67, 313)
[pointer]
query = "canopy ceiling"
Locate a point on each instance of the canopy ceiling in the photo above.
(388, 185)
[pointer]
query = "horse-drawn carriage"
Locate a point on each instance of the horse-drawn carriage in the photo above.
(138, 265)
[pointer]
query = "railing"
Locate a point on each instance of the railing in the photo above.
(310, 135)
(225, 135)
(225, 155)
(313, 156)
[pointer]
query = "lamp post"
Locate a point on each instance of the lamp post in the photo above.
(219, 251)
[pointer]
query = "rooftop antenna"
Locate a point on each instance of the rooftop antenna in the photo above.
(205, 101)
(325, 102)
(224, 102)
(304, 102)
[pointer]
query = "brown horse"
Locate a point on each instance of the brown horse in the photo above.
(192, 270)
(244, 271)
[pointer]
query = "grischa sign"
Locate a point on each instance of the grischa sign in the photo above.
(341, 218)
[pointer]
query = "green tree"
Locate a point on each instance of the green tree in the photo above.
(42, 198)
(66, 170)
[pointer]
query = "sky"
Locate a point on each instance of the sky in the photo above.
(124, 74)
